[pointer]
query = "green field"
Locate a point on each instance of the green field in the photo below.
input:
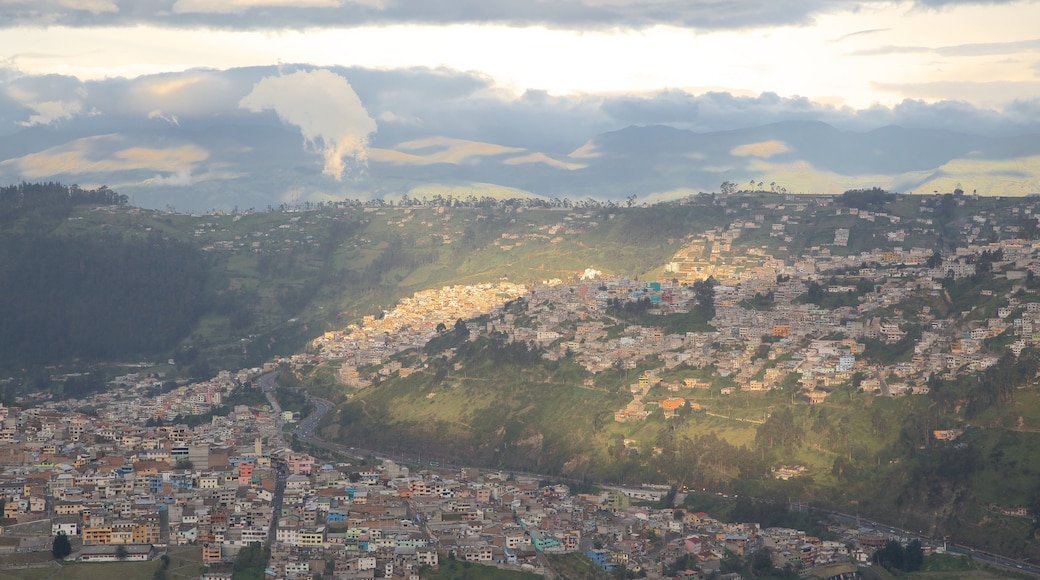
(185, 564)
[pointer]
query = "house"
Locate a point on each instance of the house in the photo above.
(129, 553)
(67, 525)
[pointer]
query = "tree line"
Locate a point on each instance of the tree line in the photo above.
(53, 194)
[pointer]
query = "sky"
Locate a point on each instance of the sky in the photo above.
(170, 94)
(835, 52)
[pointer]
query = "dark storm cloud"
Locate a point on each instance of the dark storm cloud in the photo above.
(274, 14)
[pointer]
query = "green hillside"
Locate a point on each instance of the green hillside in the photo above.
(87, 281)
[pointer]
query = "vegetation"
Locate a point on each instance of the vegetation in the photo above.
(577, 566)
(251, 563)
(101, 297)
(893, 556)
(869, 199)
(61, 547)
(88, 279)
(452, 569)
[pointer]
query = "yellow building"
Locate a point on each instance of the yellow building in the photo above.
(97, 535)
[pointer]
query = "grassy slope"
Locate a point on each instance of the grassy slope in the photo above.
(185, 563)
(459, 570)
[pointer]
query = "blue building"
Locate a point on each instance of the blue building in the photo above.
(602, 559)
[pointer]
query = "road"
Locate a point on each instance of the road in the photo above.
(268, 383)
(980, 555)
(276, 505)
(305, 432)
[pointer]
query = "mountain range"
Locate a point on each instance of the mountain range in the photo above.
(256, 160)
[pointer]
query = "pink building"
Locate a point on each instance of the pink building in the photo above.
(300, 464)
(245, 473)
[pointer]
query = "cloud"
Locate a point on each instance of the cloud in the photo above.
(157, 114)
(762, 149)
(561, 14)
(103, 154)
(543, 158)
(182, 178)
(861, 33)
(971, 49)
(239, 6)
(92, 6)
(991, 93)
(48, 112)
(54, 9)
(325, 108)
(420, 103)
(440, 150)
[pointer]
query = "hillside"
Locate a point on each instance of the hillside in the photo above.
(87, 283)
(901, 434)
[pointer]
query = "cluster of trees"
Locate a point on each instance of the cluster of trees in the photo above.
(53, 195)
(996, 385)
(617, 305)
(866, 199)
(729, 188)
(893, 556)
(699, 461)
(984, 264)
(780, 432)
(251, 562)
(96, 297)
(815, 293)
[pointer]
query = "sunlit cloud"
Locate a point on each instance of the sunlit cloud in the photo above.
(327, 111)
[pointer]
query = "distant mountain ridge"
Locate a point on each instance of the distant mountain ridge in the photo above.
(255, 161)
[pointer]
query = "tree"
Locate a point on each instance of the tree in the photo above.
(461, 330)
(814, 293)
(914, 556)
(762, 563)
(121, 553)
(704, 294)
(61, 547)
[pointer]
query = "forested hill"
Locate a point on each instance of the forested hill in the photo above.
(93, 295)
(101, 297)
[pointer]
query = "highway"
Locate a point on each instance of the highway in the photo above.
(306, 429)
